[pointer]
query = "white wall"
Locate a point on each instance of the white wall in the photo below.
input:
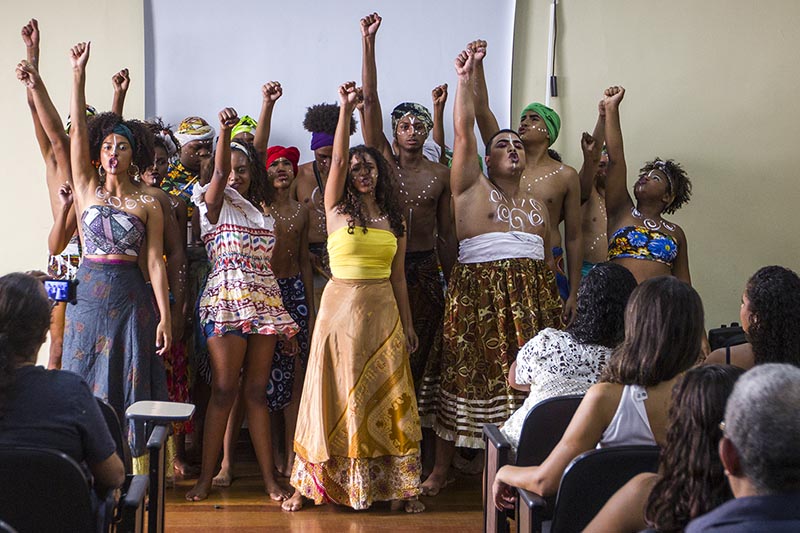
(713, 84)
(221, 54)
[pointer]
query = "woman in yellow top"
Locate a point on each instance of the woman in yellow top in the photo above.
(358, 431)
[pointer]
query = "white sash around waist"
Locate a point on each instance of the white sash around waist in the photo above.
(499, 245)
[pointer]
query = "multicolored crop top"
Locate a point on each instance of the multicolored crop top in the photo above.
(111, 231)
(639, 242)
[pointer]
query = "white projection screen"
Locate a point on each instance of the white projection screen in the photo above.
(203, 55)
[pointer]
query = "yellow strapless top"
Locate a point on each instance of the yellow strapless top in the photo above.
(361, 255)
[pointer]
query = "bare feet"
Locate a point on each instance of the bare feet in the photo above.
(184, 470)
(412, 505)
(434, 484)
(295, 503)
(224, 478)
(199, 492)
(276, 491)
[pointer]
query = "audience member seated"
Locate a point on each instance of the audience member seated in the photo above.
(557, 363)
(690, 481)
(47, 408)
(770, 317)
(759, 453)
(663, 334)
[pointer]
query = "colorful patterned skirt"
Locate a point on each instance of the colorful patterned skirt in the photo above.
(492, 310)
(284, 363)
(426, 299)
(110, 339)
(358, 432)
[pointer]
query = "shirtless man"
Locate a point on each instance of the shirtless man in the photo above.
(424, 192)
(309, 188)
(502, 289)
(554, 184)
(593, 195)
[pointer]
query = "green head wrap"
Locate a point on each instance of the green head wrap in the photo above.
(245, 125)
(551, 119)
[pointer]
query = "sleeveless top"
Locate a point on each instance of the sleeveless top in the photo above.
(630, 425)
(361, 255)
(638, 242)
(111, 231)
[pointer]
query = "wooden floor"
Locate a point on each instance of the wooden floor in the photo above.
(245, 507)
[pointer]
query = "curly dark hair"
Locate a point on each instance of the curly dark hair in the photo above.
(602, 297)
(678, 183)
(24, 321)
(261, 191)
(663, 333)
(157, 127)
(774, 331)
(385, 197)
(324, 117)
(102, 125)
(692, 480)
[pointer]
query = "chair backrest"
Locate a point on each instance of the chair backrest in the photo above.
(543, 428)
(592, 478)
(115, 428)
(43, 490)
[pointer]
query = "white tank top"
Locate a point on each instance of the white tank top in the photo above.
(630, 425)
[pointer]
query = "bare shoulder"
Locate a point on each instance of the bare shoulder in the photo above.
(717, 357)
(604, 398)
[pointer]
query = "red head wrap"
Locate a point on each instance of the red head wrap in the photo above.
(291, 153)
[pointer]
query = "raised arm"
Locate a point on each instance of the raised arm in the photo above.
(63, 225)
(487, 122)
(270, 92)
(466, 170)
(592, 147)
(83, 174)
(372, 125)
(349, 95)
(121, 81)
(618, 199)
(215, 194)
(30, 36)
(439, 96)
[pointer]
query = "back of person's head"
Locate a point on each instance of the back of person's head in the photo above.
(763, 424)
(692, 478)
(24, 321)
(602, 297)
(663, 334)
(773, 295)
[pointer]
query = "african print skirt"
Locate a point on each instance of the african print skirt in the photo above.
(284, 368)
(176, 365)
(358, 432)
(110, 340)
(426, 299)
(492, 309)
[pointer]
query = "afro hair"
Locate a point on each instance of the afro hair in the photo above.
(324, 117)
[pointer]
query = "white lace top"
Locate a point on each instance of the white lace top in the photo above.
(554, 364)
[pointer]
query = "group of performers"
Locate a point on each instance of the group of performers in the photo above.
(371, 295)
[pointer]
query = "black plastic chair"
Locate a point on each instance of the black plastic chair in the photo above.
(587, 484)
(543, 428)
(129, 516)
(44, 490)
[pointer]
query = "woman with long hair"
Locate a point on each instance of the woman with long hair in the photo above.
(770, 318)
(663, 333)
(640, 239)
(690, 480)
(358, 431)
(46, 408)
(240, 309)
(555, 362)
(112, 336)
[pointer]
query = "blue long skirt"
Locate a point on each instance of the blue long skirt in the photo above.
(110, 340)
